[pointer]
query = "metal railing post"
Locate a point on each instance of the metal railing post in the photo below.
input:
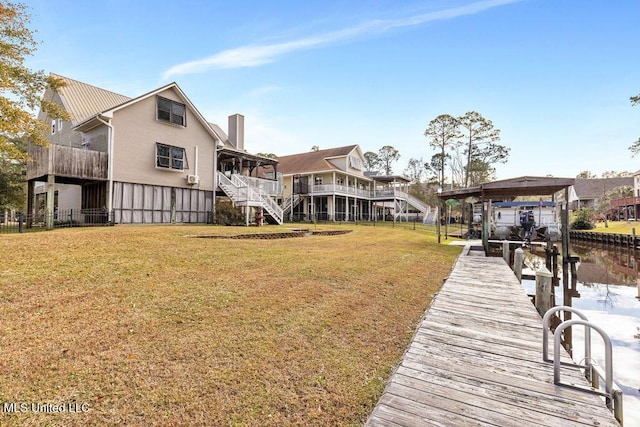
(545, 333)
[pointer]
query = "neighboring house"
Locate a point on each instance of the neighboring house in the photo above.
(332, 185)
(149, 159)
(585, 193)
(628, 207)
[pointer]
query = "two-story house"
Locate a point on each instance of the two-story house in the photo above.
(628, 208)
(148, 159)
(332, 185)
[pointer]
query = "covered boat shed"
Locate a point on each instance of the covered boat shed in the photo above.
(508, 190)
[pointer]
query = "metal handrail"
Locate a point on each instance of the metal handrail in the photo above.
(612, 394)
(545, 334)
(607, 355)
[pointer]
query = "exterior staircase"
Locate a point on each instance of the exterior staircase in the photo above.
(406, 201)
(245, 191)
(290, 203)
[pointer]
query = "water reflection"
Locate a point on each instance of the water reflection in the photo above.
(607, 264)
(608, 293)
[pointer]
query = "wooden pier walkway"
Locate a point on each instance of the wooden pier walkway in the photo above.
(476, 360)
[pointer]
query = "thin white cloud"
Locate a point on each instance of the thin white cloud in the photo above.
(256, 55)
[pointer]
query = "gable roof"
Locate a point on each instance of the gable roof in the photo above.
(312, 161)
(83, 101)
(596, 188)
(221, 133)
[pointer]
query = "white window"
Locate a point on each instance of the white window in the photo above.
(170, 157)
(318, 180)
(355, 162)
(53, 127)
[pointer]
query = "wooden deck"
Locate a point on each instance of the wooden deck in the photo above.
(476, 360)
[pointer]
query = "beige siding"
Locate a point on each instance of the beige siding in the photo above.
(287, 186)
(340, 163)
(136, 133)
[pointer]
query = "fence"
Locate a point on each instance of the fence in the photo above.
(411, 222)
(21, 223)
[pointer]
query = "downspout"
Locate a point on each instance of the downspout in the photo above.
(215, 181)
(110, 134)
(195, 172)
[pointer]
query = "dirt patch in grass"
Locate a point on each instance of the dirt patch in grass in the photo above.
(141, 326)
(273, 235)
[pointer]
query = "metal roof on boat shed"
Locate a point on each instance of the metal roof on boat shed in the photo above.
(512, 188)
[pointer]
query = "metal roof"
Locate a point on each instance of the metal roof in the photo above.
(83, 101)
(508, 189)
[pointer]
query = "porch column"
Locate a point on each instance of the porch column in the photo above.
(355, 208)
(346, 207)
(333, 207)
(51, 179)
(312, 207)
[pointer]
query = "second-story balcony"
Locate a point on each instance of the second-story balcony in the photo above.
(64, 161)
(344, 190)
(627, 201)
(340, 189)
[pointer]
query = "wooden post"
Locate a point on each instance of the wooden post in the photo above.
(564, 214)
(30, 202)
(505, 252)
(486, 206)
(547, 257)
(437, 217)
(554, 265)
(51, 179)
(518, 260)
(543, 290)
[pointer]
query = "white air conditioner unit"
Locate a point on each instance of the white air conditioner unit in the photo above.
(193, 179)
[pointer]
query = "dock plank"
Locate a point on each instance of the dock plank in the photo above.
(476, 360)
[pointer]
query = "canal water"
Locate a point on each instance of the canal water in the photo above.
(608, 283)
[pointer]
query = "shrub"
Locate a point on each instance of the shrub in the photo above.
(228, 214)
(583, 220)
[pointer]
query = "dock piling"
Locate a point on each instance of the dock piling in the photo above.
(518, 260)
(543, 290)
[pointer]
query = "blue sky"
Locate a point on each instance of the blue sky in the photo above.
(555, 76)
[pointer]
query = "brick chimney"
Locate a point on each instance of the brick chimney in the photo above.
(236, 131)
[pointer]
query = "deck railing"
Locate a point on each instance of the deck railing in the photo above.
(61, 160)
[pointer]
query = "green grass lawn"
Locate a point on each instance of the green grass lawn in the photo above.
(141, 325)
(619, 227)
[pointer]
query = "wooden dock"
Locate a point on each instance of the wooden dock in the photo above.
(476, 360)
